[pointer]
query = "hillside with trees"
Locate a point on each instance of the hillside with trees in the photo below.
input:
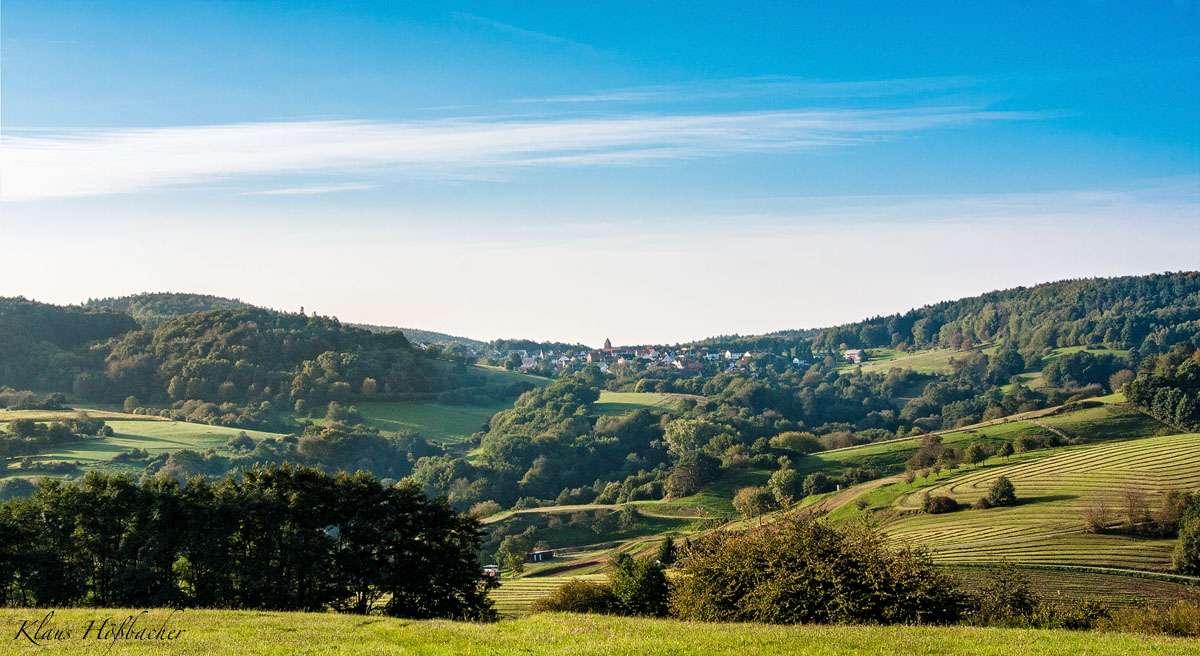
(152, 308)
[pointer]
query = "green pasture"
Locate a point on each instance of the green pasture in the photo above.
(619, 403)
(934, 361)
(154, 436)
(207, 632)
(448, 424)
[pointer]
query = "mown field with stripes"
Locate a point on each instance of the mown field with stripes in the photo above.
(1066, 586)
(1055, 491)
(514, 595)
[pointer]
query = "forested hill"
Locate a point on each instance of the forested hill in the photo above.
(1147, 314)
(240, 366)
(151, 309)
(418, 336)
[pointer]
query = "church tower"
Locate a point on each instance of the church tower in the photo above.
(607, 343)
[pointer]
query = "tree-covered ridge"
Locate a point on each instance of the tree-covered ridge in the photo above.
(418, 336)
(237, 367)
(152, 308)
(43, 346)
(1146, 313)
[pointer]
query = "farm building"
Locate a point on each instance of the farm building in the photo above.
(539, 556)
(854, 355)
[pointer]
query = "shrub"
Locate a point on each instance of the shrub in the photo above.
(639, 586)
(816, 483)
(938, 505)
(796, 441)
(785, 484)
(803, 570)
(1002, 492)
(576, 596)
(485, 509)
(754, 501)
(1006, 599)
(1187, 550)
(1181, 619)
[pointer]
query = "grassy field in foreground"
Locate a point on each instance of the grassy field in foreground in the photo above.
(1054, 492)
(209, 632)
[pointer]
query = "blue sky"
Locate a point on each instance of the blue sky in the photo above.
(649, 171)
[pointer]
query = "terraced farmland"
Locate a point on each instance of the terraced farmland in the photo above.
(1069, 586)
(513, 597)
(1054, 492)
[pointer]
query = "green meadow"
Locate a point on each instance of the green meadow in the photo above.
(207, 632)
(154, 434)
(448, 424)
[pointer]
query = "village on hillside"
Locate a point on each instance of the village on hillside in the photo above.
(686, 360)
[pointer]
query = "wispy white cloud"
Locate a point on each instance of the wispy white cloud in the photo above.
(314, 189)
(52, 164)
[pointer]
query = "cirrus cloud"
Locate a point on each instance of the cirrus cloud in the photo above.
(46, 164)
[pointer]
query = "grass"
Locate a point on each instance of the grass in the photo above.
(580, 534)
(1054, 492)
(209, 632)
(155, 436)
(1098, 424)
(934, 361)
(448, 424)
(619, 403)
(717, 498)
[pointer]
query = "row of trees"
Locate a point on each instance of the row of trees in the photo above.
(284, 538)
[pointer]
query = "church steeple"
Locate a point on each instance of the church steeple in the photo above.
(607, 343)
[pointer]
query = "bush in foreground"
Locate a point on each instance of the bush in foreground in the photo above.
(577, 596)
(800, 570)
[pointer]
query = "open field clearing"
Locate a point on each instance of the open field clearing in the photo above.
(59, 415)
(208, 632)
(448, 424)
(619, 403)
(1054, 492)
(935, 361)
(154, 436)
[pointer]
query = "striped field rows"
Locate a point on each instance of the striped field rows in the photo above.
(1055, 492)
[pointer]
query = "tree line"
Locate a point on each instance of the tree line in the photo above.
(278, 538)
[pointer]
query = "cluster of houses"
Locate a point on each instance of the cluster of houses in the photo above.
(689, 361)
